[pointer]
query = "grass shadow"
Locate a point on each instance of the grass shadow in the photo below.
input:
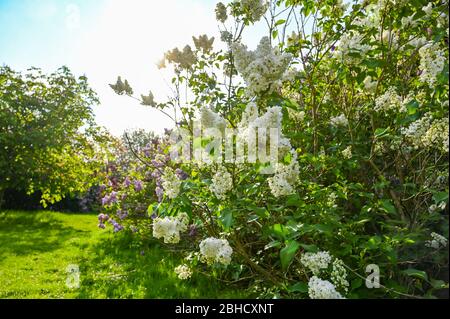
(124, 267)
(30, 233)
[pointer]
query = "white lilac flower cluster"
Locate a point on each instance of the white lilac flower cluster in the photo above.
(371, 19)
(215, 250)
(286, 175)
(437, 134)
(183, 272)
(370, 85)
(350, 46)
(428, 9)
(432, 61)
(417, 129)
(331, 200)
(297, 116)
(184, 59)
(264, 69)
(203, 43)
(339, 275)
(249, 115)
(383, 4)
(169, 228)
(437, 208)
(322, 289)
(416, 41)
(251, 122)
(226, 37)
(183, 221)
(315, 262)
(211, 119)
(409, 21)
(221, 12)
(390, 100)
(171, 183)
(272, 120)
(222, 183)
(390, 39)
(437, 241)
(347, 153)
(283, 182)
(442, 20)
(428, 132)
(254, 9)
(339, 120)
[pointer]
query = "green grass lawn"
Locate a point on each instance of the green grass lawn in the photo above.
(37, 247)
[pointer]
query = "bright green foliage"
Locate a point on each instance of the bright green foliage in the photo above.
(48, 139)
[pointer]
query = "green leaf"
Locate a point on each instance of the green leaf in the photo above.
(291, 103)
(280, 231)
(373, 242)
(362, 221)
(299, 287)
(281, 21)
(150, 209)
(323, 228)
(275, 243)
(412, 107)
(274, 34)
(373, 63)
(226, 216)
(380, 132)
(411, 272)
(356, 283)
(440, 197)
(261, 212)
(287, 254)
(310, 248)
(438, 284)
(387, 205)
(293, 200)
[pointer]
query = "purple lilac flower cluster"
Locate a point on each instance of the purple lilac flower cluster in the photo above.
(90, 200)
(117, 227)
(138, 184)
(159, 162)
(121, 214)
(102, 218)
(109, 199)
(124, 192)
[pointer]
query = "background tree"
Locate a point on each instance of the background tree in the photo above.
(48, 138)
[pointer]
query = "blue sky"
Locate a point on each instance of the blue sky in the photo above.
(42, 32)
(103, 39)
